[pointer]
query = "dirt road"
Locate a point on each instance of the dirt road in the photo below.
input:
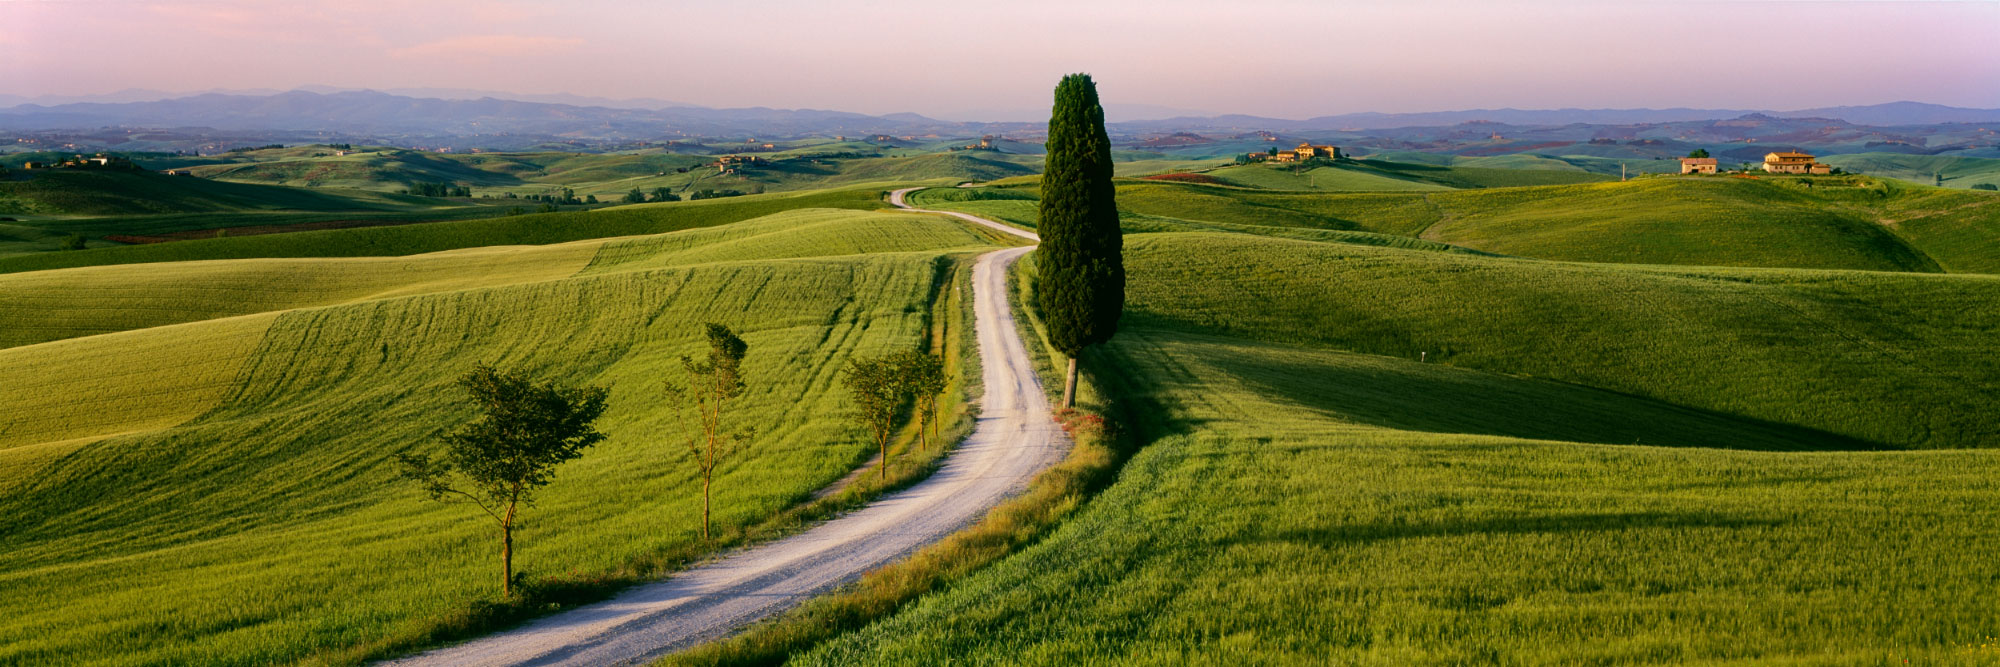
(1013, 440)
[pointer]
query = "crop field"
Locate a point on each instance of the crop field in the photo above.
(224, 496)
(1958, 172)
(1884, 226)
(82, 192)
(1545, 486)
(531, 229)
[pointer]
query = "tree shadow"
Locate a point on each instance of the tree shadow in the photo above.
(1410, 396)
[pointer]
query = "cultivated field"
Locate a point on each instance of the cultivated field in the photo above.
(1306, 489)
(219, 490)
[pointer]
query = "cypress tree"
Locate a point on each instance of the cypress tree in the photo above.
(1081, 287)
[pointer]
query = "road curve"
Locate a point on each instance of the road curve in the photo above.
(1013, 440)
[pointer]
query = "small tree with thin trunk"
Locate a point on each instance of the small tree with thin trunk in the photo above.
(923, 378)
(711, 385)
(1081, 287)
(876, 387)
(525, 430)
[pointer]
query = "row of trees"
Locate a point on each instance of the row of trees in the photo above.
(438, 190)
(880, 388)
(526, 428)
(660, 194)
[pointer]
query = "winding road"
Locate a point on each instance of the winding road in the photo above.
(1014, 439)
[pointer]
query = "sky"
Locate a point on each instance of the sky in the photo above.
(1000, 61)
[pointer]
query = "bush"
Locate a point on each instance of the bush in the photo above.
(1985, 186)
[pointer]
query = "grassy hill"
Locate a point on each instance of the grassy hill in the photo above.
(1612, 465)
(1958, 172)
(531, 229)
(1371, 175)
(218, 490)
(90, 192)
(1867, 224)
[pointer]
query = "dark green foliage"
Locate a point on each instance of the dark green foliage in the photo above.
(661, 194)
(72, 242)
(525, 431)
(438, 190)
(635, 197)
(1985, 186)
(1082, 281)
(1698, 153)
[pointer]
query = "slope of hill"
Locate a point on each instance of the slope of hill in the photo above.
(1958, 172)
(1298, 499)
(219, 491)
(532, 229)
(82, 192)
(1863, 223)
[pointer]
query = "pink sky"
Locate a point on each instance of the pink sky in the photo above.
(1288, 58)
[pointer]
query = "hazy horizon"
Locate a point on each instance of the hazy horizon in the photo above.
(1286, 59)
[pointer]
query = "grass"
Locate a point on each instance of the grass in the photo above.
(53, 305)
(533, 229)
(1958, 172)
(246, 514)
(88, 192)
(1717, 221)
(1303, 497)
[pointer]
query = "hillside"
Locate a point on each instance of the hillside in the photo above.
(1304, 487)
(529, 229)
(1866, 224)
(85, 192)
(1958, 172)
(221, 484)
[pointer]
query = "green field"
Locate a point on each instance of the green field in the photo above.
(97, 193)
(1863, 224)
(529, 229)
(1958, 172)
(1507, 411)
(209, 482)
(1611, 465)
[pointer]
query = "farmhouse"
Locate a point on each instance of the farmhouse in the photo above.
(1697, 165)
(1794, 162)
(1307, 151)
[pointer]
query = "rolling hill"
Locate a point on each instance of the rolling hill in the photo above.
(1958, 172)
(1579, 448)
(1851, 223)
(196, 465)
(102, 193)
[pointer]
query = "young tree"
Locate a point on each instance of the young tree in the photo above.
(876, 387)
(711, 385)
(1699, 152)
(923, 378)
(635, 197)
(663, 194)
(1081, 290)
(525, 430)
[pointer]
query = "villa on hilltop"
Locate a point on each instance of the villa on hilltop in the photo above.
(1305, 151)
(1794, 162)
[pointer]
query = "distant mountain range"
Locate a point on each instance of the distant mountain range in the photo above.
(446, 113)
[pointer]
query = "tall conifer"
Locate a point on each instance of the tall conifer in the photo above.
(1081, 290)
